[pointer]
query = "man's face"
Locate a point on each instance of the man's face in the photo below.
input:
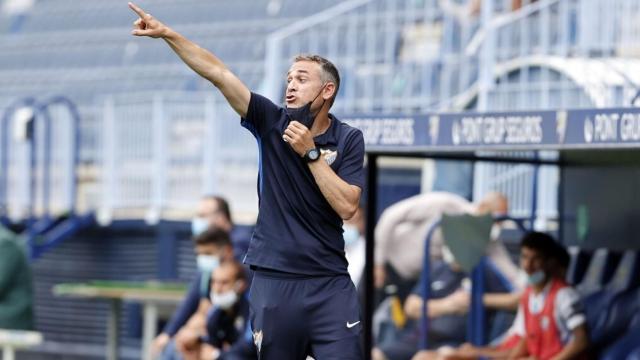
(531, 260)
(303, 85)
(223, 279)
(208, 209)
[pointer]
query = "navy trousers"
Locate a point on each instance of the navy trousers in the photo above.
(293, 316)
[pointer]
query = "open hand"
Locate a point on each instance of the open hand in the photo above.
(147, 25)
(299, 137)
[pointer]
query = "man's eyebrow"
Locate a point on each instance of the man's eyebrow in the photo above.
(299, 71)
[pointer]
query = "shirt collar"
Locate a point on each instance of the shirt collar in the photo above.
(329, 137)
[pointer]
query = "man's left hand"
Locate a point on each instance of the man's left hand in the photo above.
(299, 137)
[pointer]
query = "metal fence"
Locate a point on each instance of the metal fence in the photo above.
(161, 152)
(154, 153)
(558, 54)
(37, 155)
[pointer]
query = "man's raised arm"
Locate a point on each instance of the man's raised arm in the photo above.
(200, 60)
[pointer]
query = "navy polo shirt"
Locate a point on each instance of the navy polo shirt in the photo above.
(297, 230)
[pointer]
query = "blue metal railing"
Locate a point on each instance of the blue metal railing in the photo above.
(46, 231)
(75, 151)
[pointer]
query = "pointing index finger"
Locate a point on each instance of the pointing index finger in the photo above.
(138, 10)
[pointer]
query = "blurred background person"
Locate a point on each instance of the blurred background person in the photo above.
(16, 292)
(446, 308)
(401, 232)
(503, 345)
(551, 322)
(226, 332)
(214, 212)
(212, 247)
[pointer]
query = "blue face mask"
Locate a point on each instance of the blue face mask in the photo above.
(536, 278)
(198, 226)
(351, 235)
(207, 263)
(303, 114)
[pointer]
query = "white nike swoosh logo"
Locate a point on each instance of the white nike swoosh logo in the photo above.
(350, 325)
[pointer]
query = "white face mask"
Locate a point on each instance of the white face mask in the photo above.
(224, 300)
(351, 235)
(198, 226)
(207, 263)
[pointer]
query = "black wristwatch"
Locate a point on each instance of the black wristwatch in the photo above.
(312, 155)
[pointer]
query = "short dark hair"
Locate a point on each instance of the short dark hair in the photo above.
(329, 71)
(543, 243)
(562, 256)
(223, 205)
(217, 237)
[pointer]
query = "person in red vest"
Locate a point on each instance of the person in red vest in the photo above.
(550, 321)
(556, 265)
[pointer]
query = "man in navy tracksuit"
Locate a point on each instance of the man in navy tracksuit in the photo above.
(311, 175)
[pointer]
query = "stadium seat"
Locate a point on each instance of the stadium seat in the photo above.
(578, 265)
(609, 311)
(616, 318)
(601, 268)
(627, 344)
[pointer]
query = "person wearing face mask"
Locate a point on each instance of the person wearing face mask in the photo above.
(214, 212)
(225, 334)
(447, 309)
(550, 321)
(212, 248)
(501, 347)
(310, 179)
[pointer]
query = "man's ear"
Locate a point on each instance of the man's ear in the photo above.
(328, 91)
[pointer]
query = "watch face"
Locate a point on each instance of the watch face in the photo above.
(313, 154)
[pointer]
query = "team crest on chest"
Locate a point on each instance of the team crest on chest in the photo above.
(329, 155)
